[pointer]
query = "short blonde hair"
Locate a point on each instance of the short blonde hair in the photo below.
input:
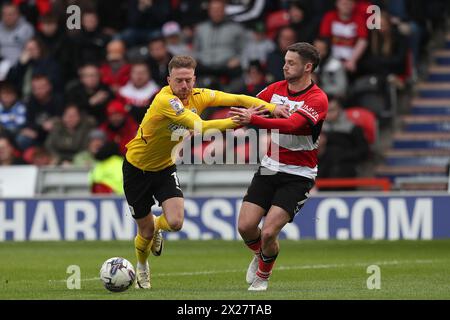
(182, 62)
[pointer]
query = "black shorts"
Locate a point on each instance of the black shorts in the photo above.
(284, 190)
(142, 187)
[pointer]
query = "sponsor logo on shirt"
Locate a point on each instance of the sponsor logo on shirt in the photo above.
(174, 126)
(176, 105)
(310, 112)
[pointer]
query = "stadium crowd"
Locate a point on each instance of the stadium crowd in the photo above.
(72, 97)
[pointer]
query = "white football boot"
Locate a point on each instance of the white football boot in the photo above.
(158, 243)
(252, 268)
(143, 277)
(259, 284)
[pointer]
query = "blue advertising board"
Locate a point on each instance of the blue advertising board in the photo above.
(357, 216)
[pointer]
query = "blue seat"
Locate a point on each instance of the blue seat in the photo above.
(427, 127)
(430, 110)
(417, 161)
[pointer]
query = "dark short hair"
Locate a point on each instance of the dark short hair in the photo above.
(307, 52)
(182, 62)
(8, 87)
(40, 76)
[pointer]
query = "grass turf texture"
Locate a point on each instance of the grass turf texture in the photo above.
(215, 270)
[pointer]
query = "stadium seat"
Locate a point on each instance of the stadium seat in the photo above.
(274, 21)
(101, 188)
(367, 120)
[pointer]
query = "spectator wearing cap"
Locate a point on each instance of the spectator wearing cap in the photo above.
(86, 158)
(139, 91)
(116, 71)
(119, 127)
(257, 47)
(171, 31)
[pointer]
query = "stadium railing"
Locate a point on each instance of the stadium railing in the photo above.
(211, 180)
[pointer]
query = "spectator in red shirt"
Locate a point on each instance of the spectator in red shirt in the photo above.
(347, 31)
(119, 127)
(116, 71)
(139, 91)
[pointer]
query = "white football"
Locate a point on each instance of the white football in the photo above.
(117, 274)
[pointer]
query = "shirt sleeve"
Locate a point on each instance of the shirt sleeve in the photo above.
(314, 110)
(289, 125)
(265, 94)
(174, 109)
(219, 98)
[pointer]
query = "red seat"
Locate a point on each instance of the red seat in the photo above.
(101, 188)
(274, 21)
(366, 119)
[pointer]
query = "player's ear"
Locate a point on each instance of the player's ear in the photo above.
(308, 67)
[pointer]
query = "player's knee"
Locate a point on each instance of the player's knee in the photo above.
(268, 236)
(176, 224)
(244, 229)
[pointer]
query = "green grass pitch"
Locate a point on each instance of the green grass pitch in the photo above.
(215, 270)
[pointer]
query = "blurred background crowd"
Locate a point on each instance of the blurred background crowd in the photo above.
(74, 97)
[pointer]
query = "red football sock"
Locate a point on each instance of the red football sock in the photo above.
(265, 266)
(254, 245)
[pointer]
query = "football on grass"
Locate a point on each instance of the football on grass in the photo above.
(117, 274)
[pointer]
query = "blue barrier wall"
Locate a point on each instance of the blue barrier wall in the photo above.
(323, 217)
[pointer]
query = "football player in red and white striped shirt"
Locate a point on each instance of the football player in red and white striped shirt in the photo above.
(281, 185)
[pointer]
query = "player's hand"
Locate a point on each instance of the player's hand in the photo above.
(281, 111)
(243, 116)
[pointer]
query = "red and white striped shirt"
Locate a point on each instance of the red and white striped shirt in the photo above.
(298, 138)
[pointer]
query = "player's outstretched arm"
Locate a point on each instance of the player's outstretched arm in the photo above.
(221, 98)
(173, 108)
(249, 116)
(192, 120)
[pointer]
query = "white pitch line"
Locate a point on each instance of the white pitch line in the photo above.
(301, 267)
